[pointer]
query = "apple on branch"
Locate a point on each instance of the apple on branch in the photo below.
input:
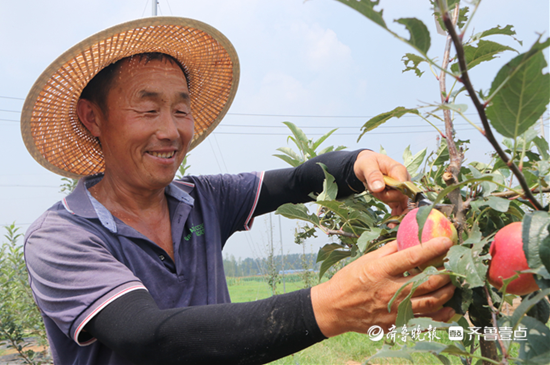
(437, 225)
(508, 258)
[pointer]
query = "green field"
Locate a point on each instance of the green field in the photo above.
(347, 349)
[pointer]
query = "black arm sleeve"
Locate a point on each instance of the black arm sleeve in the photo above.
(294, 185)
(234, 333)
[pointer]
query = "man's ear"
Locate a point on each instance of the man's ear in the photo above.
(90, 115)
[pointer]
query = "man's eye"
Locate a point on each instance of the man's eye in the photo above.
(149, 112)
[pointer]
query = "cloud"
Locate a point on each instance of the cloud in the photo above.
(324, 51)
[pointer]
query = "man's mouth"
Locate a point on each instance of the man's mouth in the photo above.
(162, 154)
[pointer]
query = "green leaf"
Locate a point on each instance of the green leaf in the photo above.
(297, 211)
(420, 36)
(467, 261)
(332, 259)
(507, 30)
(338, 207)
(411, 62)
(537, 344)
(540, 311)
(534, 231)
(526, 93)
(544, 252)
(290, 153)
(487, 187)
(367, 237)
(330, 189)
(366, 7)
(498, 204)
(404, 312)
(413, 163)
(322, 139)
(326, 250)
(525, 306)
(459, 108)
(542, 147)
(384, 117)
(404, 309)
(485, 51)
(301, 140)
(292, 162)
(474, 235)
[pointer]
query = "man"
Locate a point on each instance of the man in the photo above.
(128, 268)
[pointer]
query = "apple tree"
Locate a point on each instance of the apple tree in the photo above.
(484, 197)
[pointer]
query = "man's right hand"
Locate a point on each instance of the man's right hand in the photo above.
(357, 297)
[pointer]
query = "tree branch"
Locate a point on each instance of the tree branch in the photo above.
(465, 79)
(513, 194)
(495, 323)
(455, 156)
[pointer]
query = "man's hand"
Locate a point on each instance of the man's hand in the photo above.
(357, 297)
(370, 167)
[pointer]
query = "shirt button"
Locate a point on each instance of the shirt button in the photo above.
(161, 257)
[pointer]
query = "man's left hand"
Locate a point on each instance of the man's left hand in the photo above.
(370, 167)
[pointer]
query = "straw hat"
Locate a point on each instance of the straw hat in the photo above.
(50, 126)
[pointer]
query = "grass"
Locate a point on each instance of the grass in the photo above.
(251, 288)
(346, 349)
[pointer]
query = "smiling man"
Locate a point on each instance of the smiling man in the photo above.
(128, 268)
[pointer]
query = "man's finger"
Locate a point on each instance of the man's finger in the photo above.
(412, 257)
(388, 249)
(431, 302)
(434, 283)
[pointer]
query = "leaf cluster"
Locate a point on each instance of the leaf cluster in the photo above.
(19, 316)
(307, 148)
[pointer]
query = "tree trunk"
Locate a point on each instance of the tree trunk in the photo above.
(488, 350)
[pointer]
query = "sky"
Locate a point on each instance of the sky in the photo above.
(316, 63)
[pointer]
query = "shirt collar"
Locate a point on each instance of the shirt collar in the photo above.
(80, 202)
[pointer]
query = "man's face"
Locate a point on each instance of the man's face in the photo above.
(147, 128)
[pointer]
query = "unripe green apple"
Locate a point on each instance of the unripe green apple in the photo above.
(437, 225)
(508, 257)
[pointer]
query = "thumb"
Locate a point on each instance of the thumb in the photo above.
(375, 181)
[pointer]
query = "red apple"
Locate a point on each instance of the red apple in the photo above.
(437, 225)
(507, 258)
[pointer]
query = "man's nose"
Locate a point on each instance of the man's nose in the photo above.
(167, 128)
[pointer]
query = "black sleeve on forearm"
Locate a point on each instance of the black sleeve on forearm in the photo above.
(294, 185)
(233, 333)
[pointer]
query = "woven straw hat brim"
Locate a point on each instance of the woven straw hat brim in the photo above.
(50, 126)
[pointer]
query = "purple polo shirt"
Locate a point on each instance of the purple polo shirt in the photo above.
(80, 257)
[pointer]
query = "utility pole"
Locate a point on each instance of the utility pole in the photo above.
(154, 3)
(282, 254)
(272, 256)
